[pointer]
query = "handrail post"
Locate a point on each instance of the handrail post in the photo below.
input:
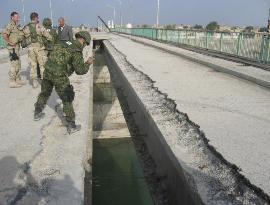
(206, 40)
(263, 48)
(178, 36)
(186, 37)
(239, 44)
(221, 42)
(195, 41)
(268, 49)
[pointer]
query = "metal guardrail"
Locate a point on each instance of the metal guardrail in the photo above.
(2, 42)
(252, 46)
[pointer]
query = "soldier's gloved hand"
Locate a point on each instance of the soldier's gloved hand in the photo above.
(90, 60)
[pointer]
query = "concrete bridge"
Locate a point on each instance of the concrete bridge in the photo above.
(164, 125)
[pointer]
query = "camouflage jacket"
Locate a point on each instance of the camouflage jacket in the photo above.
(64, 60)
(50, 44)
(34, 33)
(14, 33)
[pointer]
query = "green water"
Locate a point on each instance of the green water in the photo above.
(117, 175)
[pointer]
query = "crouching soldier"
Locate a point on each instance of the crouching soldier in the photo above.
(62, 62)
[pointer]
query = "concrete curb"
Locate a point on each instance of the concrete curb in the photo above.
(214, 66)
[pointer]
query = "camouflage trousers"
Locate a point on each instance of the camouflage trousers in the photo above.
(64, 90)
(15, 65)
(36, 55)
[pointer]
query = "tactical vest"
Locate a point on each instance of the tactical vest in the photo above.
(15, 36)
(33, 33)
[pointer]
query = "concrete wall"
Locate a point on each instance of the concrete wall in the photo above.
(168, 166)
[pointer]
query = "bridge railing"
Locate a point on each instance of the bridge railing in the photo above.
(252, 46)
(2, 42)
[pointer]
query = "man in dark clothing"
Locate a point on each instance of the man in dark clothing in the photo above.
(64, 31)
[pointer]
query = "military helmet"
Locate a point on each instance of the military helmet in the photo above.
(85, 35)
(47, 22)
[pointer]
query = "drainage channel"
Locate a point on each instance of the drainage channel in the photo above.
(118, 178)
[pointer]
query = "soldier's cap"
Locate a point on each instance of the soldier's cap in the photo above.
(85, 35)
(47, 22)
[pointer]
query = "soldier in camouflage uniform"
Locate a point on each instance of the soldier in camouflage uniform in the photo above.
(34, 33)
(62, 62)
(47, 23)
(13, 36)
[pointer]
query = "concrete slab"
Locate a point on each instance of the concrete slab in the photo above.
(100, 35)
(222, 105)
(109, 121)
(40, 163)
(250, 73)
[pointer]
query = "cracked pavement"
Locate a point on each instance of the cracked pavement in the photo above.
(39, 162)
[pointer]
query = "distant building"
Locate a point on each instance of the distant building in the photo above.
(183, 26)
(225, 28)
(129, 25)
(256, 29)
(111, 24)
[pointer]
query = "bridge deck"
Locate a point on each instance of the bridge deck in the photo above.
(39, 162)
(233, 113)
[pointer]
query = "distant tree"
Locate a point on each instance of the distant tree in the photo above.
(185, 27)
(249, 29)
(233, 28)
(197, 26)
(263, 29)
(212, 26)
(170, 26)
(146, 26)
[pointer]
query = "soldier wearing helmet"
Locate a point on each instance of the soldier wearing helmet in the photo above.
(64, 59)
(47, 23)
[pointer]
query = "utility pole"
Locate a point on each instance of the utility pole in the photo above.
(51, 11)
(121, 19)
(23, 12)
(268, 23)
(157, 14)
(114, 13)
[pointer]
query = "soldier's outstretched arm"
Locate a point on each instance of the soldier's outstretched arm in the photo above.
(78, 64)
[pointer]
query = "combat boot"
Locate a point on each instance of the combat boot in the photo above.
(20, 82)
(13, 84)
(72, 127)
(38, 115)
(35, 83)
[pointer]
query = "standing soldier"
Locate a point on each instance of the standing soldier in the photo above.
(34, 34)
(47, 23)
(13, 36)
(62, 62)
